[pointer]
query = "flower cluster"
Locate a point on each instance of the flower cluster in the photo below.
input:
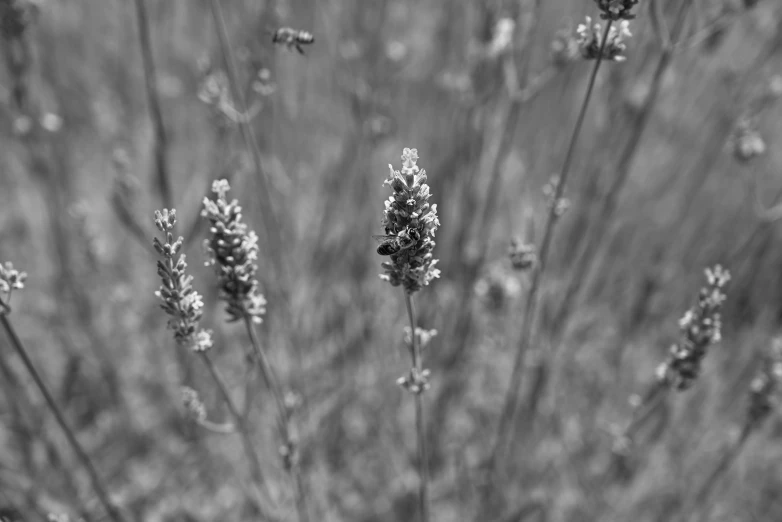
(181, 302)
(497, 288)
(700, 327)
(616, 9)
(16, 16)
(10, 280)
(233, 251)
(560, 205)
(422, 337)
(289, 454)
(765, 388)
(590, 39)
(410, 224)
(523, 256)
(214, 89)
(564, 48)
(502, 37)
(60, 517)
(747, 143)
(417, 381)
(193, 405)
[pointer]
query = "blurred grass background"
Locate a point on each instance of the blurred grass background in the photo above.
(383, 75)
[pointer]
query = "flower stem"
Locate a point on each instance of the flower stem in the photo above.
(510, 405)
(251, 141)
(241, 424)
(728, 457)
(153, 99)
(103, 496)
(651, 399)
(420, 421)
(587, 255)
(273, 383)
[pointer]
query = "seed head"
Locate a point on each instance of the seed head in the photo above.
(180, 301)
(700, 328)
(233, 250)
(412, 222)
(590, 39)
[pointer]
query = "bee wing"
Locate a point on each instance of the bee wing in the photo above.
(382, 238)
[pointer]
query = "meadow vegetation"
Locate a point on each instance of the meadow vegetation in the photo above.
(579, 309)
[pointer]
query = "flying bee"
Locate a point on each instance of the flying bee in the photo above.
(292, 38)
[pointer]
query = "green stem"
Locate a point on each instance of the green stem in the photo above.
(704, 493)
(420, 421)
(251, 141)
(155, 111)
(103, 496)
(241, 424)
(623, 168)
(507, 417)
(273, 383)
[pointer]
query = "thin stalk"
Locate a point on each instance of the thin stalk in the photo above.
(623, 168)
(241, 424)
(420, 421)
(450, 391)
(155, 112)
(103, 496)
(654, 395)
(273, 383)
(272, 226)
(704, 493)
(510, 405)
(251, 142)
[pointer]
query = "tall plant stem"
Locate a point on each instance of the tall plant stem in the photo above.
(510, 404)
(623, 168)
(153, 100)
(654, 395)
(707, 488)
(241, 424)
(420, 421)
(248, 133)
(103, 496)
(273, 383)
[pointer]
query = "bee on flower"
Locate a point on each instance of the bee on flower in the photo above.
(232, 250)
(410, 224)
